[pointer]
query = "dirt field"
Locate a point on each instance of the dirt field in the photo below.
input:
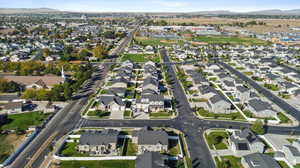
(272, 24)
(15, 140)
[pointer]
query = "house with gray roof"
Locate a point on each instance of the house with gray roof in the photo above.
(242, 93)
(244, 142)
(150, 103)
(292, 152)
(151, 160)
(98, 144)
(228, 86)
(150, 83)
(219, 104)
(113, 104)
(271, 78)
(261, 108)
(206, 91)
(259, 160)
(149, 140)
(289, 87)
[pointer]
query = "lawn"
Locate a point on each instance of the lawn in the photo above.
(271, 87)
(174, 149)
(130, 148)
(199, 100)
(230, 40)
(160, 115)
(100, 114)
(240, 68)
(283, 164)
(231, 161)
(98, 164)
(283, 118)
(24, 121)
(127, 114)
(291, 140)
(232, 116)
(156, 41)
(69, 150)
(248, 73)
(141, 57)
(217, 138)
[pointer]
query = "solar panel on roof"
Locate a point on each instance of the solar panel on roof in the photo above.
(243, 146)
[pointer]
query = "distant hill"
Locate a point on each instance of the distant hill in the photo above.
(27, 10)
(217, 12)
(262, 12)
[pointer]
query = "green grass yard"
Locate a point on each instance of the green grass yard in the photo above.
(283, 118)
(141, 57)
(99, 114)
(156, 41)
(98, 164)
(217, 138)
(24, 121)
(161, 115)
(69, 150)
(130, 148)
(230, 40)
(283, 164)
(231, 161)
(232, 116)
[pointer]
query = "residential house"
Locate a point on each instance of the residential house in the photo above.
(150, 103)
(292, 152)
(206, 91)
(260, 108)
(219, 104)
(289, 87)
(150, 84)
(242, 93)
(151, 160)
(98, 144)
(259, 160)
(149, 140)
(244, 142)
(36, 82)
(111, 103)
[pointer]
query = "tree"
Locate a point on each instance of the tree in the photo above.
(83, 54)
(67, 91)
(99, 51)
(109, 34)
(46, 52)
(258, 127)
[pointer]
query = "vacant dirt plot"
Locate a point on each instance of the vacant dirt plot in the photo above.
(272, 25)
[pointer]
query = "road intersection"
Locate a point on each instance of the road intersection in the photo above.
(193, 127)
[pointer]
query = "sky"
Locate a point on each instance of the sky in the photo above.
(153, 5)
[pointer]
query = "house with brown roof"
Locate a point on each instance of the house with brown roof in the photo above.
(36, 82)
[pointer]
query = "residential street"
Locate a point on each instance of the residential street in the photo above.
(187, 122)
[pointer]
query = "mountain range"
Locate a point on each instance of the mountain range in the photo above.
(217, 12)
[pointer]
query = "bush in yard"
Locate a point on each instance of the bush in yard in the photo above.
(258, 127)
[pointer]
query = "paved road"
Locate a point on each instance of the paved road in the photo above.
(190, 125)
(66, 119)
(278, 101)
